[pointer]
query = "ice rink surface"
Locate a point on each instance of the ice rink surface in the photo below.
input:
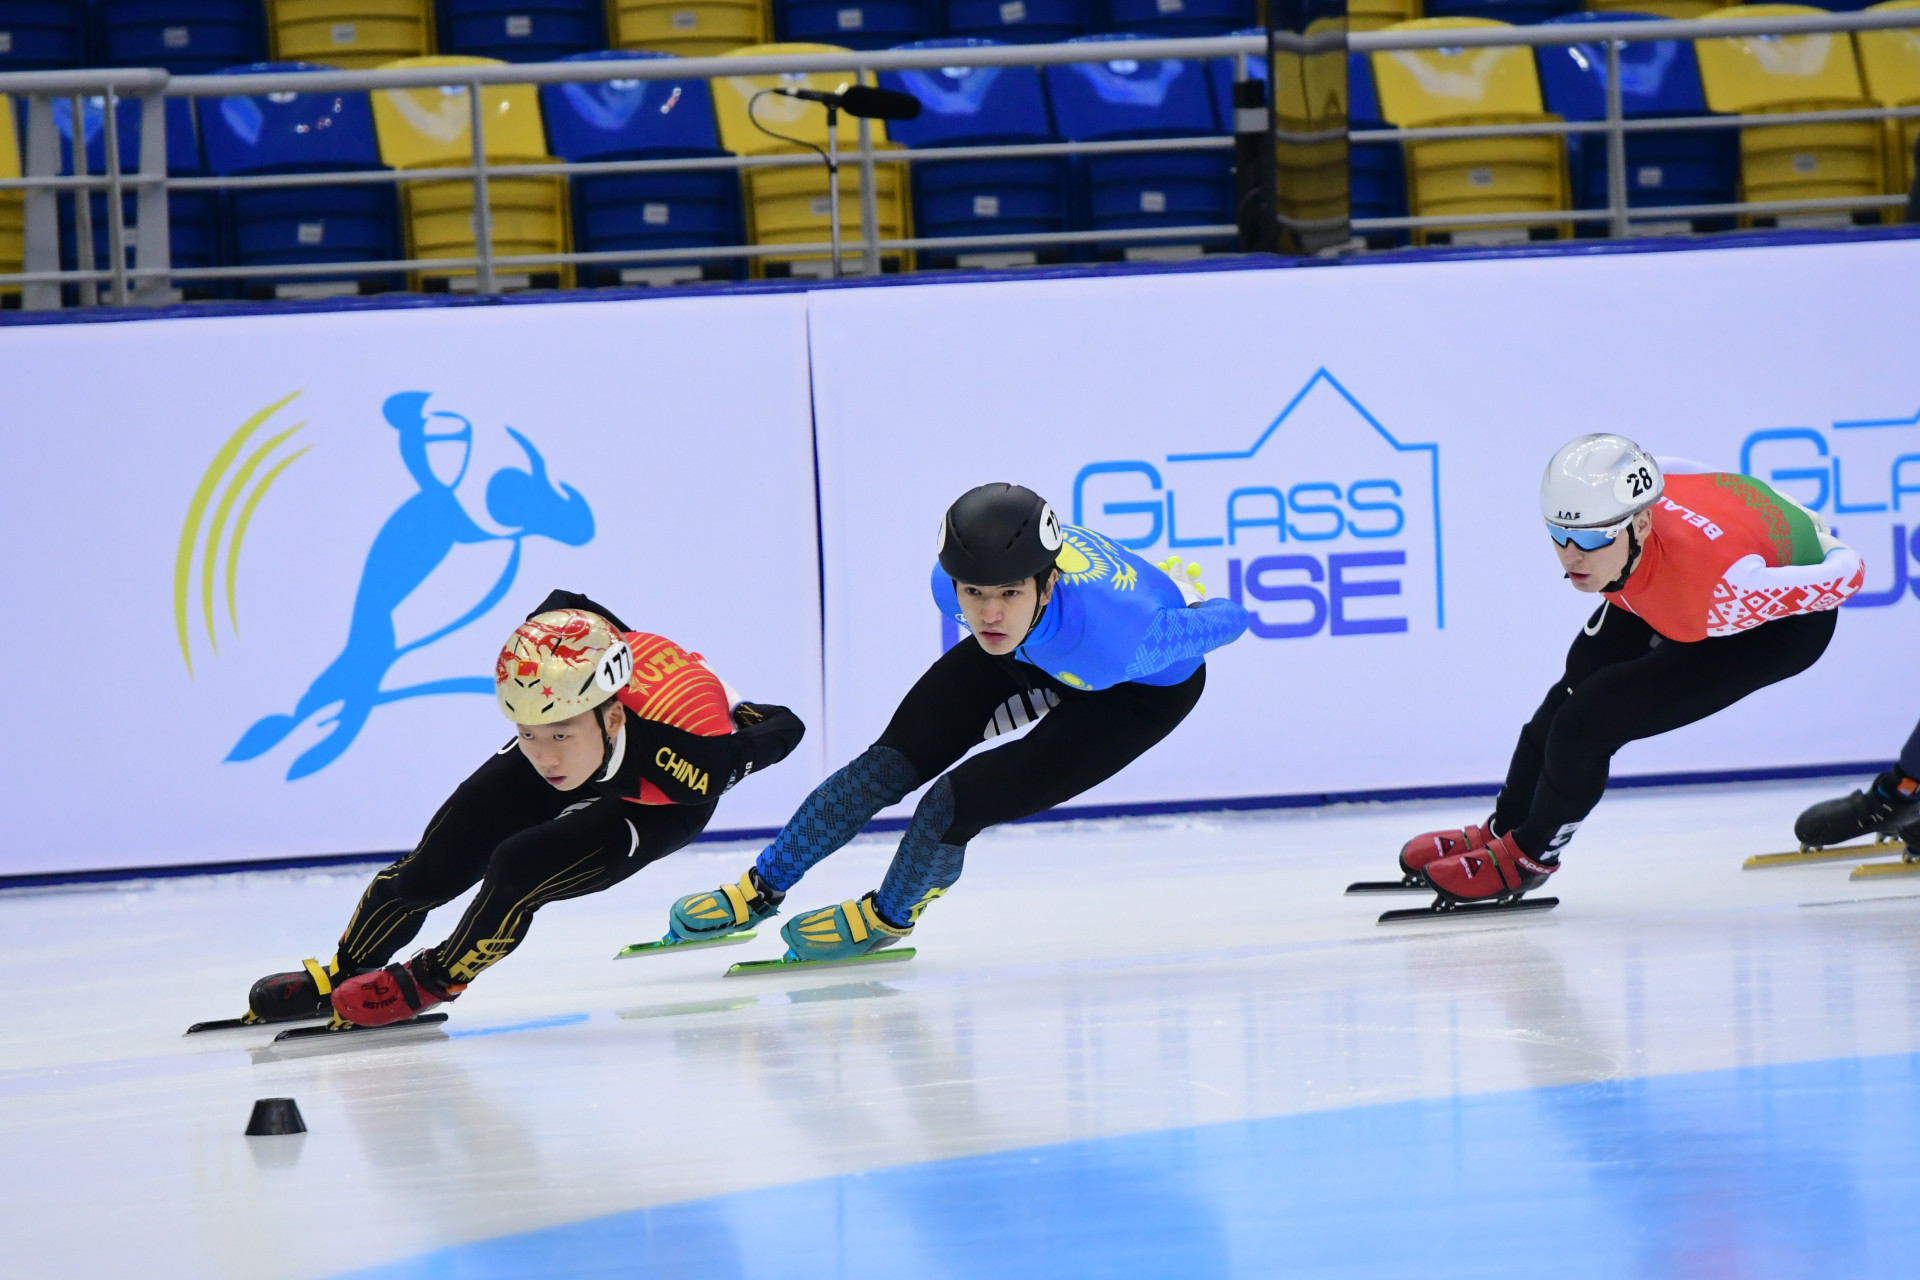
(1161, 1047)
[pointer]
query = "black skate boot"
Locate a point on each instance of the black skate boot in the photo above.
(306, 992)
(1892, 802)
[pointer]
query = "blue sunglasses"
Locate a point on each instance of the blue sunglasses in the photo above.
(1585, 539)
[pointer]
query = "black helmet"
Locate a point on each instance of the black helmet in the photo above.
(998, 533)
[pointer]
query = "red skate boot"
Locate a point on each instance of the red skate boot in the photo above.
(1497, 872)
(1420, 851)
(393, 994)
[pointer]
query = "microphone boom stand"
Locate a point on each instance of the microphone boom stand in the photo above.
(833, 180)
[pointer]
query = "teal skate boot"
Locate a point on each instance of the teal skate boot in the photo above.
(843, 932)
(731, 908)
(722, 918)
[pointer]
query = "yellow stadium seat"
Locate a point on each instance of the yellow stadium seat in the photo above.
(431, 128)
(1377, 15)
(1890, 61)
(1760, 75)
(13, 215)
(1445, 87)
(1658, 8)
(690, 28)
(350, 33)
(791, 205)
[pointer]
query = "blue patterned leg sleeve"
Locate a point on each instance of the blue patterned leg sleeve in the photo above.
(834, 814)
(923, 868)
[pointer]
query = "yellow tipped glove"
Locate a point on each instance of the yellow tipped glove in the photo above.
(1186, 576)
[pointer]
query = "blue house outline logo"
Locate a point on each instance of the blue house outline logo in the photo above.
(1176, 542)
(1826, 469)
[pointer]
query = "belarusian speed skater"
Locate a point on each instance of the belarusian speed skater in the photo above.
(1713, 586)
(624, 743)
(1065, 628)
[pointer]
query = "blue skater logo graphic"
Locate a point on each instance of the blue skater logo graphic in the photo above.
(410, 546)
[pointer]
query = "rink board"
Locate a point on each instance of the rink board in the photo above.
(181, 591)
(1352, 452)
(1355, 453)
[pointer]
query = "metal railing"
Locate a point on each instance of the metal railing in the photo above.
(152, 276)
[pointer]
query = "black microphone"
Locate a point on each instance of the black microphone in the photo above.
(878, 104)
(861, 101)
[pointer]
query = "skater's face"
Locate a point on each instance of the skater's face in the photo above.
(568, 752)
(1000, 617)
(1589, 571)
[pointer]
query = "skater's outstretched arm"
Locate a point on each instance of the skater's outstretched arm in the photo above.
(1180, 635)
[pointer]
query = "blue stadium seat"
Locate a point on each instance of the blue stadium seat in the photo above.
(852, 24)
(1657, 78)
(1174, 19)
(522, 30)
(1018, 21)
(187, 37)
(981, 106)
(1126, 98)
(289, 226)
(193, 216)
(42, 35)
(1377, 171)
(1518, 12)
(645, 120)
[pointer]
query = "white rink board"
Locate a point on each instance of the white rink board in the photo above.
(1097, 392)
(682, 424)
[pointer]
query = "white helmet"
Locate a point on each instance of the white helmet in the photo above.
(1599, 482)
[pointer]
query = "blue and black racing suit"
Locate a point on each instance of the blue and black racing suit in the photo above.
(1116, 661)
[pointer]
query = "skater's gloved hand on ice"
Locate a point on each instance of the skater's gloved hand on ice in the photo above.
(1186, 577)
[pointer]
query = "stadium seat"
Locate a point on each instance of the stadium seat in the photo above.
(791, 205)
(1174, 19)
(522, 30)
(1517, 12)
(982, 106)
(42, 35)
(1659, 8)
(356, 34)
(851, 24)
(1018, 21)
(645, 120)
(1890, 61)
(690, 28)
(186, 37)
(1455, 86)
(1124, 98)
(1377, 15)
(429, 128)
(287, 226)
(13, 216)
(193, 221)
(1657, 78)
(1765, 74)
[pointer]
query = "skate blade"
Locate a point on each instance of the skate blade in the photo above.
(309, 1033)
(1834, 853)
(1444, 910)
(246, 1020)
(670, 943)
(1877, 870)
(1407, 885)
(784, 965)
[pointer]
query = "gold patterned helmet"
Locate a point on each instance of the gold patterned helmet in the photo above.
(558, 664)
